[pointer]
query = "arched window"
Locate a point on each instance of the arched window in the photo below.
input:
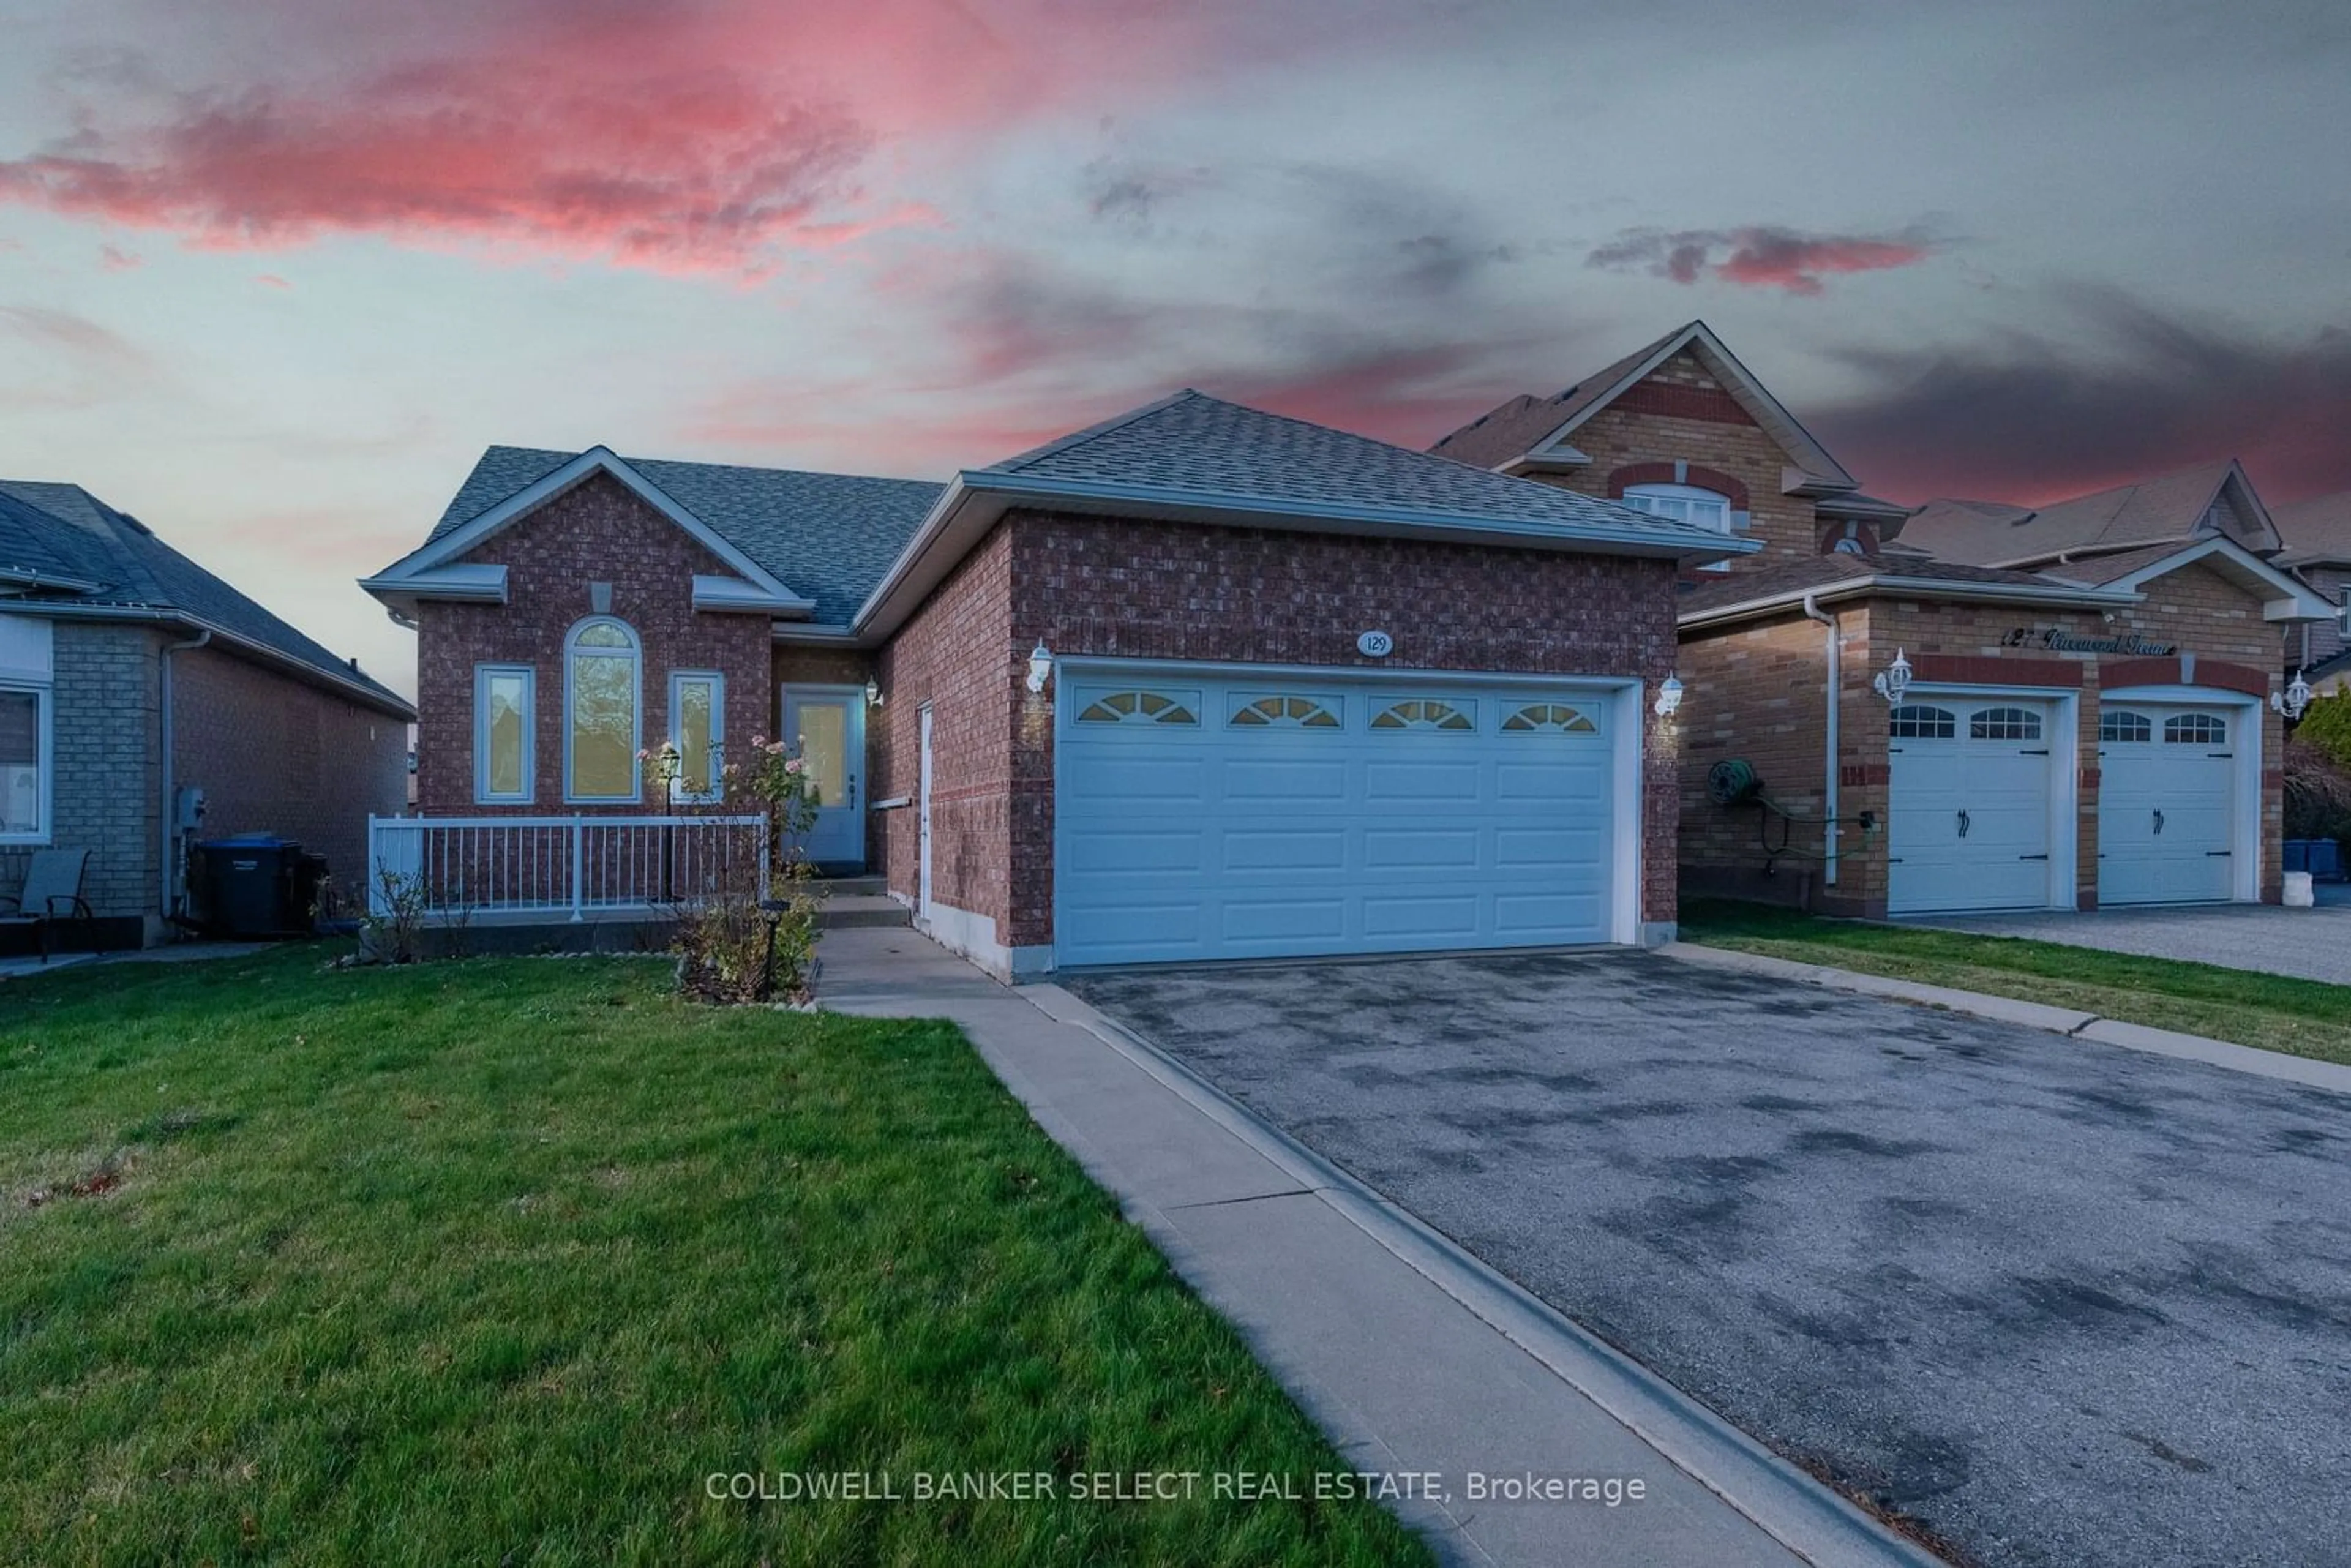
(1286, 713)
(2120, 725)
(1142, 708)
(603, 694)
(1427, 713)
(1920, 722)
(2004, 724)
(1549, 718)
(2196, 729)
(1684, 504)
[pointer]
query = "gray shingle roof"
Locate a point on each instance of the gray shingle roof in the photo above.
(2166, 508)
(1193, 444)
(136, 570)
(1509, 433)
(828, 536)
(2319, 529)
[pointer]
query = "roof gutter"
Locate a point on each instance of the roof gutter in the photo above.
(1924, 587)
(385, 701)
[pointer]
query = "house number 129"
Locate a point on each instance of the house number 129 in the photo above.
(1375, 644)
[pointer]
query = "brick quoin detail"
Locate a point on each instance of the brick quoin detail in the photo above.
(1632, 473)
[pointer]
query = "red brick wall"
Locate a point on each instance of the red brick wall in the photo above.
(600, 532)
(957, 654)
(275, 755)
(1172, 590)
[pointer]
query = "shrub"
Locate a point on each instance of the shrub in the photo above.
(2326, 724)
(752, 934)
(2317, 791)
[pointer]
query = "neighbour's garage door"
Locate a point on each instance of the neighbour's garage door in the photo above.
(2166, 797)
(1968, 822)
(1200, 818)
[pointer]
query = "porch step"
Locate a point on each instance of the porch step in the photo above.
(853, 886)
(843, 911)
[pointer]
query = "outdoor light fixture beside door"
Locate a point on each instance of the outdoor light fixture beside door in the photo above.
(2297, 698)
(873, 692)
(1041, 668)
(1669, 697)
(1894, 681)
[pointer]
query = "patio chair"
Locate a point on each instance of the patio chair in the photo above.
(52, 892)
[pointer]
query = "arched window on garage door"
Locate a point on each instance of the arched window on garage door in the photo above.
(2004, 724)
(2195, 729)
(2121, 725)
(1919, 722)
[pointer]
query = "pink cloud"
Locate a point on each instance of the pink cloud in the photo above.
(117, 260)
(700, 140)
(1759, 257)
(270, 281)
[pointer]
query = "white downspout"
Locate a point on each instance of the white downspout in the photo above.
(164, 826)
(1829, 775)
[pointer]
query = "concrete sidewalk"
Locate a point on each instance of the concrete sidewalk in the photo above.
(1413, 1357)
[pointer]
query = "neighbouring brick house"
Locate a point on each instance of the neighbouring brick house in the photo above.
(2085, 718)
(132, 681)
(2317, 535)
(1197, 682)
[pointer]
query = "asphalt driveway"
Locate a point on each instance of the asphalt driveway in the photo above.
(2312, 943)
(2063, 1303)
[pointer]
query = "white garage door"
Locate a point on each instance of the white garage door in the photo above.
(2166, 793)
(1204, 817)
(1968, 820)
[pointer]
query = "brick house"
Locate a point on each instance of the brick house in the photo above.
(2086, 718)
(2317, 536)
(1197, 682)
(133, 683)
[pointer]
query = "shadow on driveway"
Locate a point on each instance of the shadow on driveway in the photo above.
(2063, 1302)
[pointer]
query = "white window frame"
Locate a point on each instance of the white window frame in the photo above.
(1727, 526)
(482, 794)
(679, 789)
(45, 768)
(636, 654)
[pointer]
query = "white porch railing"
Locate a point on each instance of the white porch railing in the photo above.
(569, 867)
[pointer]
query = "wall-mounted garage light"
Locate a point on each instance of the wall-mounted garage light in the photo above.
(2296, 697)
(1894, 681)
(1669, 697)
(873, 692)
(1041, 667)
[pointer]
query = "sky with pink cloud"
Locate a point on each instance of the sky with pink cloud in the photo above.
(272, 271)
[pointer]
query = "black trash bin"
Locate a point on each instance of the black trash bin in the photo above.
(246, 886)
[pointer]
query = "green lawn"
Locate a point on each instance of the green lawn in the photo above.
(2302, 1018)
(498, 1261)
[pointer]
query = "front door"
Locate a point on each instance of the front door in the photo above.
(828, 726)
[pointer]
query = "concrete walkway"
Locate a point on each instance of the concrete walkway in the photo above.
(1412, 1356)
(2310, 943)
